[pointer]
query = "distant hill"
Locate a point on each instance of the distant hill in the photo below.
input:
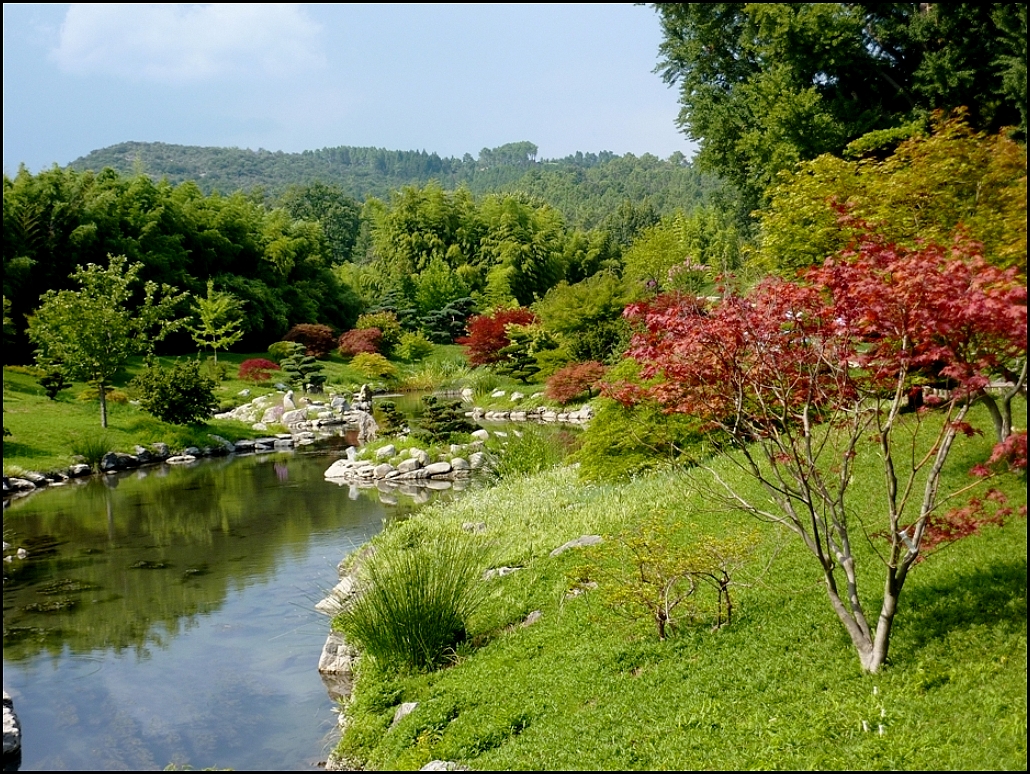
(586, 187)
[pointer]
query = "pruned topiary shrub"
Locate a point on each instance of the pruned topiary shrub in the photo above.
(442, 419)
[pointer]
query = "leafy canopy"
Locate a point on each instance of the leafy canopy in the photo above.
(765, 85)
(795, 377)
(89, 333)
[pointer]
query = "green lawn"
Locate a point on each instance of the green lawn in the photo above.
(778, 689)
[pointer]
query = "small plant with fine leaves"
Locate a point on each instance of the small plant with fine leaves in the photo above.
(257, 369)
(530, 451)
(654, 574)
(372, 365)
(90, 447)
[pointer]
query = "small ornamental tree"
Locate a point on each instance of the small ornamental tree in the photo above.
(90, 332)
(574, 381)
(257, 369)
(488, 334)
(318, 340)
(302, 370)
(219, 324)
(361, 340)
(796, 376)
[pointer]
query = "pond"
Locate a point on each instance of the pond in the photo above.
(166, 616)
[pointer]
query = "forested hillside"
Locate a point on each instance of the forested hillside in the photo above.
(584, 186)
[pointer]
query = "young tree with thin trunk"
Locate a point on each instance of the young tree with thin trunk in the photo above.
(218, 317)
(89, 333)
(794, 377)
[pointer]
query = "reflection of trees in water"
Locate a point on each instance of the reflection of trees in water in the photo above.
(130, 561)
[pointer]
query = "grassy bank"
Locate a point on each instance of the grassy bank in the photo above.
(47, 434)
(780, 688)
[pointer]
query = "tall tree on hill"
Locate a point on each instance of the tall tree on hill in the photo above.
(763, 86)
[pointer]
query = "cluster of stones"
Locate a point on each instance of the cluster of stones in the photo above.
(302, 414)
(281, 409)
(539, 414)
(12, 736)
(578, 416)
(412, 466)
(114, 462)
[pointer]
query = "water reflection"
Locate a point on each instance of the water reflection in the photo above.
(166, 616)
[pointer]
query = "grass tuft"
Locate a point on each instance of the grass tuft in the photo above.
(416, 601)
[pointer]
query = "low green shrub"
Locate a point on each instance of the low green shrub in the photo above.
(416, 601)
(280, 350)
(180, 394)
(373, 366)
(621, 442)
(413, 347)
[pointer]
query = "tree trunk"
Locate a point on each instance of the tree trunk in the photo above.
(102, 394)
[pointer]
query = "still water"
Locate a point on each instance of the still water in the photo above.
(166, 617)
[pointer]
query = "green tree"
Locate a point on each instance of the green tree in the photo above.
(91, 332)
(929, 185)
(763, 86)
(338, 214)
(218, 316)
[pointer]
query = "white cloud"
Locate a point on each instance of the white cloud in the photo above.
(176, 43)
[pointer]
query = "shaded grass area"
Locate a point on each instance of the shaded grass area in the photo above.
(46, 433)
(779, 689)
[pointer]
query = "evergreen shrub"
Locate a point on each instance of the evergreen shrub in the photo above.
(180, 394)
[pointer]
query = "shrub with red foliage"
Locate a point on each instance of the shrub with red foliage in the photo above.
(488, 334)
(361, 340)
(257, 369)
(318, 340)
(573, 381)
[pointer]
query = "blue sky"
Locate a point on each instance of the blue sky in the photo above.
(445, 78)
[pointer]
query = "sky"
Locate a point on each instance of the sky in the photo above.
(444, 78)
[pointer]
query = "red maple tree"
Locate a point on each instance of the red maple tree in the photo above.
(795, 376)
(488, 334)
(575, 381)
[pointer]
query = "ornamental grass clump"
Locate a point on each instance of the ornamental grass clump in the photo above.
(90, 447)
(416, 602)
